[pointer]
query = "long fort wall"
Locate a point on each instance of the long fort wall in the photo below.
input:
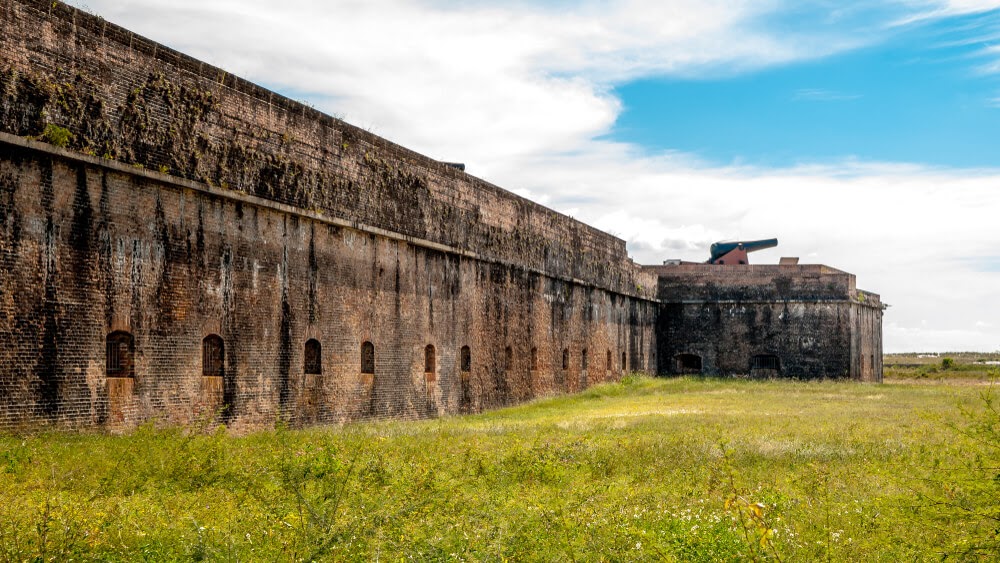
(204, 246)
(177, 243)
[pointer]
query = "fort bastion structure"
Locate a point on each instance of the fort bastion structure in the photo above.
(178, 243)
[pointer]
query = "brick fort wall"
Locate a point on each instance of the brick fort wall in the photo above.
(197, 246)
(803, 321)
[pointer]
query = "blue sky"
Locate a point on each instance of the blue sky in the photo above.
(921, 93)
(861, 134)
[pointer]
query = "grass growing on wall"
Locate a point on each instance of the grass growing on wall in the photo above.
(678, 469)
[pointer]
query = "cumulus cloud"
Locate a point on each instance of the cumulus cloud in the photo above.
(516, 78)
(523, 93)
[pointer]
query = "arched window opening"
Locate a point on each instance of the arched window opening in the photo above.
(565, 362)
(429, 362)
(624, 365)
(466, 359)
(313, 357)
(367, 358)
(508, 359)
(120, 354)
(534, 359)
(212, 349)
(765, 365)
(607, 361)
(583, 359)
(687, 363)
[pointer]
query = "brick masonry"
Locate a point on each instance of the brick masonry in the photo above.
(174, 240)
(190, 205)
(811, 319)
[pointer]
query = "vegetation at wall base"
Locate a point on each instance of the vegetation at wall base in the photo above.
(686, 469)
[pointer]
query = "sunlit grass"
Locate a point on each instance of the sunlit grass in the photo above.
(652, 469)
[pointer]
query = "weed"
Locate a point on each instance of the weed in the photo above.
(58, 136)
(961, 497)
(750, 517)
(625, 471)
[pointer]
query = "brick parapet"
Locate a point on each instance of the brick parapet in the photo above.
(801, 282)
(809, 320)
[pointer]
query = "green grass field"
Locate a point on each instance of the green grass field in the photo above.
(649, 469)
(949, 365)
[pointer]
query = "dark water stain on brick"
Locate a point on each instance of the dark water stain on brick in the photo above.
(285, 341)
(10, 220)
(136, 281)
(397, 294)
(166, 281)
(81, 232)
(106, 250)
(313, 274)
(49, 363)
(200, 237)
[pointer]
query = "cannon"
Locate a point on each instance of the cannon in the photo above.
(736, 252)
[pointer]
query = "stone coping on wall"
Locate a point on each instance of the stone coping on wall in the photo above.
(744, 270)
(7, 139)
(873, 303)
(692, 283)
(753, 301)
(868, 299)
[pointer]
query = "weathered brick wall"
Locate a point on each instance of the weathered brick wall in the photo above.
(751, 281)
(91, 246)
(810, 319)
(866, 345)
(191, 204)
(129, 99)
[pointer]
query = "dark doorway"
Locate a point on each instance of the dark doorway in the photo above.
(687, 364)
(313, 357)
(765, 366)
(368, 358)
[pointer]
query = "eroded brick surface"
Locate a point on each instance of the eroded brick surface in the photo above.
(192, 205)
(809, 319)
(197, 234)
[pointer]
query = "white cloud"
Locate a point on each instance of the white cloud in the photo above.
(930, 340)
(522, 94)
(907, 232)
(932, 9)
(955, 7)
(517, 79)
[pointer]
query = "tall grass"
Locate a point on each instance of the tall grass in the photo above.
(652, 469)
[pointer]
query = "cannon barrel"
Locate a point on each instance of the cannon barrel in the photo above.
(720, 249)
